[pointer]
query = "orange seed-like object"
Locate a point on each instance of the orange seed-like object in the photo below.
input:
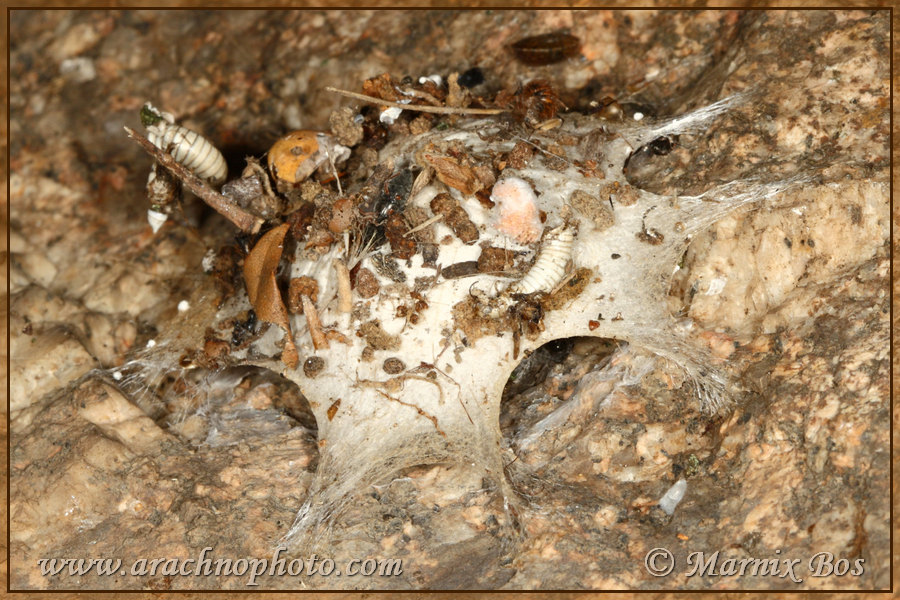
(297, 155)
(291, 157)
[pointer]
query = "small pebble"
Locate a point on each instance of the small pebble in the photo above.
(389, 115)
(436, 79)
(209, 261)
(313, 365)
(183, 306)
(79, 69)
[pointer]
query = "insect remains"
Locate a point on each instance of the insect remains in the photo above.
(546, 49)
(298, 154)
(550, 266)
(163, 192)
(242, 219)
(649, 235)
(189, 159)
(187, 147)
(661, 145)
(536, 103)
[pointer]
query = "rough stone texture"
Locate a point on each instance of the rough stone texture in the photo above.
(801, 465)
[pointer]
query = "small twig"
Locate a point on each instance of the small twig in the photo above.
(337, 177)
(242, 219)
(547, 152)
(441, 110)
(261, 174)
(315, 325)
(422, 226)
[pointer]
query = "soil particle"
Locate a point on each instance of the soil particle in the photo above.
(344, 126)
(299, 287)
(495, 260)
(595, 209)
(366, 283)
(378, 338)
(455, 217)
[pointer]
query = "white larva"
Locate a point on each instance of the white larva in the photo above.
(188, 148)
(550, 266)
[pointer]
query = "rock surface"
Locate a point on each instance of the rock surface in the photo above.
(795, 299)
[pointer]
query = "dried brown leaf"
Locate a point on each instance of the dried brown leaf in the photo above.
(259, 277)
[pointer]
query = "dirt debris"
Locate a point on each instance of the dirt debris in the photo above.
(455, 217)
(376, 337)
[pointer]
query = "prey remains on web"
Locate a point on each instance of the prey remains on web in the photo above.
(410, 257)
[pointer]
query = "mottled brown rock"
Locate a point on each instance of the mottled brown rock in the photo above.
(519, 156)
(382, 86)
(798, 466)
(215, 349)
(313, 365)
(421, 124)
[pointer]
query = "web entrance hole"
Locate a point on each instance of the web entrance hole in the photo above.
(545, 379)
(236, 405)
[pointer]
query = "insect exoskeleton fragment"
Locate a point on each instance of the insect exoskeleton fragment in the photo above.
(187, 147)
(550, 266)
(298, 154)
